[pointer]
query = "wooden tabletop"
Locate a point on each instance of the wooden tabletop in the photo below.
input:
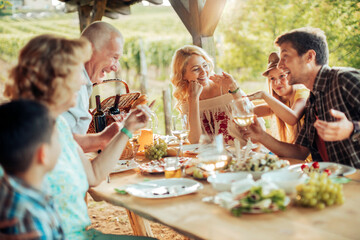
(196, 219)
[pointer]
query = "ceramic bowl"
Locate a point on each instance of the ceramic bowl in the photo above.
(286, 180)
(223, 181)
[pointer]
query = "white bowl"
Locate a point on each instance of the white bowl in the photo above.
(285, 179)
(223, 181)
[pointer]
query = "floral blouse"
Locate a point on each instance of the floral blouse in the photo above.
(67, 183)
(215, 116)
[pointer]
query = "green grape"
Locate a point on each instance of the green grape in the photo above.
(156, 150)
(319, 192)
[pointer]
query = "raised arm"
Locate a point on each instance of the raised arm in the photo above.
(101, 166)
(195, 90)
(289, 115)
(227, 84)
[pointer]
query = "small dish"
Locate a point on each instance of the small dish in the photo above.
(164, 188)
(223, 181)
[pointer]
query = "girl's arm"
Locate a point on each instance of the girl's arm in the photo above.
(289, 115)
(195, 90)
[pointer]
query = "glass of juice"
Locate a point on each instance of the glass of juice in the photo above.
(172, 167)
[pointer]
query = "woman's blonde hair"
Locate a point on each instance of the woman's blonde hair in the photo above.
(178, 67)
(44, 65)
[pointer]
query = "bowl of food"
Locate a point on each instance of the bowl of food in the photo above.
(223, 181)
(258, 164)
(286, 180)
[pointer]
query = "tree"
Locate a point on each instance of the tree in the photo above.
(250, 28)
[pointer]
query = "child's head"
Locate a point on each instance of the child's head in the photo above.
(27, 137)
(277, 79)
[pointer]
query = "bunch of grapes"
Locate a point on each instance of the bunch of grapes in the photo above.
(319, 192)
(156, 150)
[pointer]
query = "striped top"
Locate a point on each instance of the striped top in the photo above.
(32, 209)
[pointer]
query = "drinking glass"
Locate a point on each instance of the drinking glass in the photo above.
(182, 133)
(243, 112)
(172, 167)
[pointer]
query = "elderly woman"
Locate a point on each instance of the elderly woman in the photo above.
(204, 96)
(49, 71)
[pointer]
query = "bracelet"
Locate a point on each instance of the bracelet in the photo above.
(127, 132)
(235, 91)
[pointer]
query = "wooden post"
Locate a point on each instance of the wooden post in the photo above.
(143, 68)
(98, 10)
(84, 16)
(139, 225)
(200, 17)
(167, 110)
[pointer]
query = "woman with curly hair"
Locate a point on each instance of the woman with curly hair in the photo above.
(204, 96)
(49, 71)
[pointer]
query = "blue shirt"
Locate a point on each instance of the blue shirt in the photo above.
(33, 210)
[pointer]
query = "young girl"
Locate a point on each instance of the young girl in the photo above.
(204, 98)
(286, 101)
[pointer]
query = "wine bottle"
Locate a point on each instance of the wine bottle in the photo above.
(99, 116)
(115, 109)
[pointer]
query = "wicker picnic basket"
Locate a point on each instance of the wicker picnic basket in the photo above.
(125, 104)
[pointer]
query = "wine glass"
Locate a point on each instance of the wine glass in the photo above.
(243, 112)
(182, 133)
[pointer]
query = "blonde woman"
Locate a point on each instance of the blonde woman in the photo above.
(49, 71)
(204, 96)
(286, 102)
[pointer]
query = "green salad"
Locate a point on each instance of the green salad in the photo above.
(255, 201)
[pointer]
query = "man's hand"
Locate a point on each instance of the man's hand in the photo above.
(254, 131)
(334, 131)
(138, 118)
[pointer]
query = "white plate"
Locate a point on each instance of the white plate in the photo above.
(340, 169)
(124, 165)
(164, 188)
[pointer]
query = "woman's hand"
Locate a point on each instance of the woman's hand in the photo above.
(138, 118)
(195, 90)
(226, 81)
(256, 95)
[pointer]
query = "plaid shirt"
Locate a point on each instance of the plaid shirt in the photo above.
(339, 89)
(30, 207)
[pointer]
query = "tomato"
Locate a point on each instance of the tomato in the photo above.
(328, 171)
(315, 165)
(304, 166)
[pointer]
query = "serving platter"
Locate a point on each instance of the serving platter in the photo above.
(336, 168)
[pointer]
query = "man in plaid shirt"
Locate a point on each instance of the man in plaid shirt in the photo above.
(331, 131)
(29, 148)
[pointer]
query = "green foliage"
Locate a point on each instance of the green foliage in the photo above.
(250, 28)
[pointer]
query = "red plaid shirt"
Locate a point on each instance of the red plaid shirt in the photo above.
(339, 89)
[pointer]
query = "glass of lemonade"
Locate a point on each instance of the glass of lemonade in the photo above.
(172, 167)
(243, 112)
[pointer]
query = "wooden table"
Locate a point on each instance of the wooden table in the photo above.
(196, 219)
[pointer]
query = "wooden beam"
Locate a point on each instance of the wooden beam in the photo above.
(98, 10)
(210, 16)
(84, 16)
(195, 21)
(182, 13)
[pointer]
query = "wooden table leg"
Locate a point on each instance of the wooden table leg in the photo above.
(139, 225)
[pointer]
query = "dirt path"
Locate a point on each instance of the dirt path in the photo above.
(111, 219)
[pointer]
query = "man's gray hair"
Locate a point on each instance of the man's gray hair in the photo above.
(99, 34)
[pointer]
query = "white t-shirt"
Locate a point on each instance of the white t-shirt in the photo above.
(79, 118)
